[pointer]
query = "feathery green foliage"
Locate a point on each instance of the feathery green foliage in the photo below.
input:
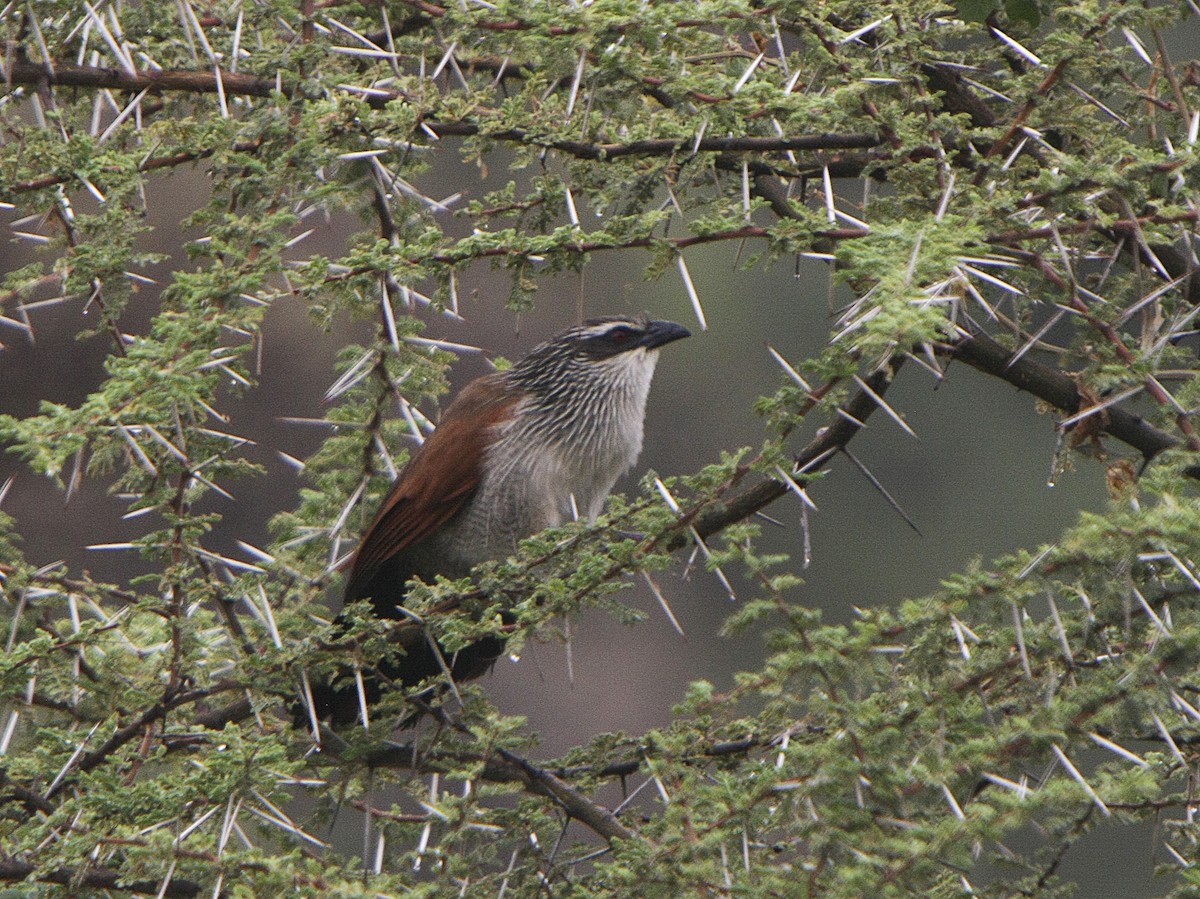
(983, 179)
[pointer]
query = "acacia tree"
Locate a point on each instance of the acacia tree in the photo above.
(1012, 187)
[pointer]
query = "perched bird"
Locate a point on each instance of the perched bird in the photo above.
(517, 451)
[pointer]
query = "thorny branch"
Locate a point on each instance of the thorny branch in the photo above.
(815, 455)
(231, 83)
(103, 77)
(981, 352)
(96, 878)
(590, 814)
(91, 760)
(978, 350)
(1059, 390)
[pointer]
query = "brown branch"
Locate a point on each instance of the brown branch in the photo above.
(981, 352)
(1121, 227)
(1116, 341)
(33, 801)
(679, 243)
(187, 81)
(408, 756)
(504, 766)
(215, 719)
(437, 11)
(238, 83)
(157, 162)
(1051, 385)
(583, 246)
(957, 96)
(1023, 113)
(1059, 390)
(498, 766)
(123, 735)
(537, 780)
(772, 190)
(101, 77)
(585, 811)
(664, 146)
(13, 871)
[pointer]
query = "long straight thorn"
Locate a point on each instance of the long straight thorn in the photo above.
(883, 490)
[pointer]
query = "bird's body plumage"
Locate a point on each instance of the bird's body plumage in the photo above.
(517, 451)
(431, 490)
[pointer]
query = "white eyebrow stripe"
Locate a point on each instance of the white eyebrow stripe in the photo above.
(601, 329)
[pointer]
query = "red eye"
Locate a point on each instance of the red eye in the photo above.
(620, 335)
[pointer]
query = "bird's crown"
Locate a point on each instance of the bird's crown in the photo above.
(602, 338)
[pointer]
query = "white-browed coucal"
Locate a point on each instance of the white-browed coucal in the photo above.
(517, 451)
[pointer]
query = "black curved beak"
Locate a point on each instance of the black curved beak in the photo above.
(659, 333)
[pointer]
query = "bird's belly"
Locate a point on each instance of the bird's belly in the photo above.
(528, 498)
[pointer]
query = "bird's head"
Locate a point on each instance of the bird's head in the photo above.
(604, 338)
(616, 348)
